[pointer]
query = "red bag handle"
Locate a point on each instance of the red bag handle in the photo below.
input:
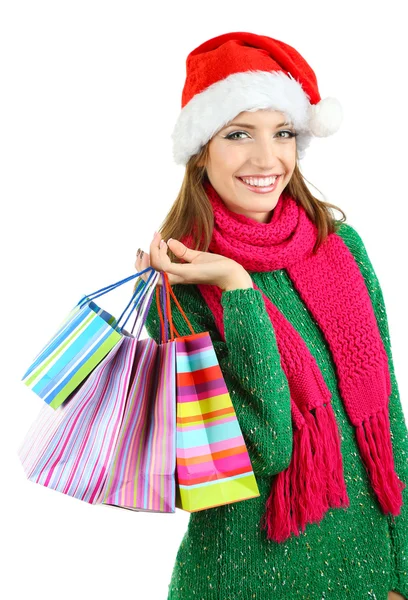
(168, 292)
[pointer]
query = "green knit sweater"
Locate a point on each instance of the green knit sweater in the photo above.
(356, 552)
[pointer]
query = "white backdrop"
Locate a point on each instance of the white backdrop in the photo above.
(90, 92)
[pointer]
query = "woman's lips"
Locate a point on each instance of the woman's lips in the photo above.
(258, 189)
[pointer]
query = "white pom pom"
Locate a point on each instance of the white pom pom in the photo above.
(325, 117)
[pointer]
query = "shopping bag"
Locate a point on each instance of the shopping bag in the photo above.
(142, 472)
(69, 449)
(212, 462)
(83, 339)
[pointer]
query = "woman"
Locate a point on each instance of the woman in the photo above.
(297, 318)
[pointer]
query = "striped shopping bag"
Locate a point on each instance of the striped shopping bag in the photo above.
(142, 474)
(83, 339)
(70, 449)
(212, 462)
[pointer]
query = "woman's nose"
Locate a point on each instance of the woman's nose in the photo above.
(265, 156)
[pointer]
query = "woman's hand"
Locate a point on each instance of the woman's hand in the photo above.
(395, 596)
(200, 267)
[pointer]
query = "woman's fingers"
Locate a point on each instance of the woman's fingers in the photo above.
(155, 260)
(167, 266)
(165, 261)
(182, 251)
(142, 262)
(159, 259)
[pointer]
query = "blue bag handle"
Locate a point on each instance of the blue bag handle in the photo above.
(143, 308)
(108, 288)
(105, 290)
(136, 303)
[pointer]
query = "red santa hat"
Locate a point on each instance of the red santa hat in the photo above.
(240, 71)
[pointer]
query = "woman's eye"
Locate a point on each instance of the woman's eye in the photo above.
(290, 135)
(229, 137)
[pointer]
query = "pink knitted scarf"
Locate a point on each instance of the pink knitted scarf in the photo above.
(333, 289)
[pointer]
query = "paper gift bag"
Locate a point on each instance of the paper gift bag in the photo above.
(212, 462)
(142, 474)
(83, 339)
(69, 449)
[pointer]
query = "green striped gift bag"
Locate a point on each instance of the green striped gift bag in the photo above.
(212, 462)
(83, 339)
(70, 449)
(142, 474)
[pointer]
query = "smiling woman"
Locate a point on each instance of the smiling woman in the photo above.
(265, 149)
(238, 167)
(297, 318)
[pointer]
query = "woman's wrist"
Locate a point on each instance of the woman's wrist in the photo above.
(239, 281)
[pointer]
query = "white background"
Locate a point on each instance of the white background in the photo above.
(90, 92)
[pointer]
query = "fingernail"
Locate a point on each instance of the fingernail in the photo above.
(162, 242)
(169, 240)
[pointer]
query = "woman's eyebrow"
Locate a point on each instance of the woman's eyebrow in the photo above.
(249, 126)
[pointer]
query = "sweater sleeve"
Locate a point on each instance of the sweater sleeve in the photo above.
(250, 364)
(398, 526)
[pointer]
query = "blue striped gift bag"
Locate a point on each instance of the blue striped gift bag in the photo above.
(70, 449)
(83, 339)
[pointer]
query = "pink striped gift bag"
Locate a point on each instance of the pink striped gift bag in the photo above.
(69, 449)
(212, 462)
(142, 474)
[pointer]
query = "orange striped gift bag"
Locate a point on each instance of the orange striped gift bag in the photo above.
(142, 473)
(212, 462)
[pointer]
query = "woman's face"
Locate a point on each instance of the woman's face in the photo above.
(256, 145)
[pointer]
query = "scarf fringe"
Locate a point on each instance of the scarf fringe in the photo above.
(314, 480)
(374, 441)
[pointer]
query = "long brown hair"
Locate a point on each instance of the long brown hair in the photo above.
(191, 212)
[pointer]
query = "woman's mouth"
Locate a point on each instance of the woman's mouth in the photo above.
(260, 189)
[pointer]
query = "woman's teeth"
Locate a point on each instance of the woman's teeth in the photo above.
(259, 182)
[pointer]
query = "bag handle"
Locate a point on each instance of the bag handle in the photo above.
(112, 286)
(136, 302)
(163, 317)
(140, 291)
(164, 323)
(144, 306)
(167, 292)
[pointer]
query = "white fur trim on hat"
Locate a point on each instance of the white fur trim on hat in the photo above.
(210, 110)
